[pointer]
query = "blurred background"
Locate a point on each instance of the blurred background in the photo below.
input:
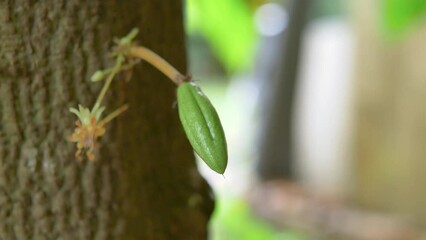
(323, 105)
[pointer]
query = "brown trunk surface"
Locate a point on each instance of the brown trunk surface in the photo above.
(144, 183)
(391, 117)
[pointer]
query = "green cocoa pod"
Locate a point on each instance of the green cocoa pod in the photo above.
(202, 126)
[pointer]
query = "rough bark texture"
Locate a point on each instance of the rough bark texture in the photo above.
(390, 115)
(144, 184)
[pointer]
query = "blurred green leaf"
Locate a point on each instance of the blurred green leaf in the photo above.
(234, 221)
(228, 27)
(399, 15)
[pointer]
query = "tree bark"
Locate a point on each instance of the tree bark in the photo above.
(143, 183)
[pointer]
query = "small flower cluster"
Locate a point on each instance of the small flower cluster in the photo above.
(88, 128)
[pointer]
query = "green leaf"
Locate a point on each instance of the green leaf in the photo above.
(234, 220)
(227, 26)
(400, 15)
(202, 126)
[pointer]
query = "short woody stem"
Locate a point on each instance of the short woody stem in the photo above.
(158, 62)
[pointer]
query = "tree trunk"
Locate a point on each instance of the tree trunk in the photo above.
(390, 115)
(143, 183)
(276, 148)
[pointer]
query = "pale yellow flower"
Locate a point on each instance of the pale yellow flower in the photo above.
(88, 128)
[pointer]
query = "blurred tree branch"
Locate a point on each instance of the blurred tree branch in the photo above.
(276, 151)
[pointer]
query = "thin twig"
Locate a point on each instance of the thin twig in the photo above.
(115, 70)
(113, 114)
(158, 62)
